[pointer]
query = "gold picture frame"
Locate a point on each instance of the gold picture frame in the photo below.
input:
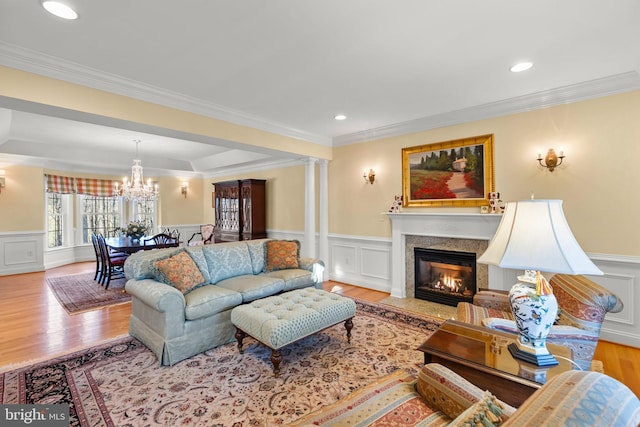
(451, 173)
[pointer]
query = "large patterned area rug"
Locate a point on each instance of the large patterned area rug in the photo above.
(122, 383)
(78, 293)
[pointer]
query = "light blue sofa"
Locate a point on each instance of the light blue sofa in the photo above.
(176, 326)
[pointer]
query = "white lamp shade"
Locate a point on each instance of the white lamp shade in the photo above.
(534, 235)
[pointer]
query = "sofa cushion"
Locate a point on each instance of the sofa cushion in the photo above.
(256, 251)
(208, 300)
(281, 254)
(198, 257)
(180, 271)
(226, 260)
(253, 287)
(140, 265)
(293, 278)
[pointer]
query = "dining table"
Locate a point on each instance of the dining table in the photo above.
(128, 245)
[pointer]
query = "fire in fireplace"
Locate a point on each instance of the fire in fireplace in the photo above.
(445, 277)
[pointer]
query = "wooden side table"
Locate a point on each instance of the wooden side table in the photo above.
(481, 356)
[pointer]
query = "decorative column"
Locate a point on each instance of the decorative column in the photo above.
(309, 247)
(323, 226)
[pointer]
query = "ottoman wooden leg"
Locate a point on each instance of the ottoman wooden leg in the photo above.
(240, 334)
(348, 324)
(276, 358)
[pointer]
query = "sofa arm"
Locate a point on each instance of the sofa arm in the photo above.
(315, 266)
(602, 400)
(448, 392)
(156, 295)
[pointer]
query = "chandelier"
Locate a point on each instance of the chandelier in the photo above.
(137, 189)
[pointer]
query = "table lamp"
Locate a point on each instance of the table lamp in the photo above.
(534, 235)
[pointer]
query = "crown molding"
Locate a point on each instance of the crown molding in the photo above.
(564, 95)
(38, 63)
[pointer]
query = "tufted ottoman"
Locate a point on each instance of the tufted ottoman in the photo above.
(282, 319)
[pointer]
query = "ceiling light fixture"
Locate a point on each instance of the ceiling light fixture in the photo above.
(522, 66)
(340, 117)
(59, 9)
(137, 189)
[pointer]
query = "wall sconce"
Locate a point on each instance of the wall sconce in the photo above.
(551, 159)
(2, 179)
(183, 189)
(370, 176)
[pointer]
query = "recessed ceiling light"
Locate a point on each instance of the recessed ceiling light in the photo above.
(340, 117)
(59, 9)
(522, 66)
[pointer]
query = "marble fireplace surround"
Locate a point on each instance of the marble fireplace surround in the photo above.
(467, 232)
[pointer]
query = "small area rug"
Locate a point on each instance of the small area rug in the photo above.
(78, 293)
(122, 383)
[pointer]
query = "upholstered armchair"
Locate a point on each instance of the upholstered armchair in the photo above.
(582, 306)
(206, 236)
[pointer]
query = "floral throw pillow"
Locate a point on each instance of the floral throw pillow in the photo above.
(179, 271)
(281, 254)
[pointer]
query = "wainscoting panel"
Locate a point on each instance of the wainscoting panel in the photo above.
(375, 263)
(360, 261)
(343, 260)
(21, 252)
(622, 277)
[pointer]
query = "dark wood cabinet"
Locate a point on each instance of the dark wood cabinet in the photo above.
(240, 212)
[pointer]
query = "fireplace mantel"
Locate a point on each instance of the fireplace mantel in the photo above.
(452, 225)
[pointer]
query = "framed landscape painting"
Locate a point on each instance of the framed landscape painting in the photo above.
(450, 173)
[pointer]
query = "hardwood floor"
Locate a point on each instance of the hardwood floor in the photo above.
(36, 327)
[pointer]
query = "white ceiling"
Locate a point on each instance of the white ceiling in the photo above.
(288, 66)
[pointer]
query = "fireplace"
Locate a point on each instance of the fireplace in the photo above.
(444, 276)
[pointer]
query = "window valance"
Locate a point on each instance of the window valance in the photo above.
(60, 184)
(90, 186)
(95, 187)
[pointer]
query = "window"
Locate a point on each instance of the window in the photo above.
(99, 214)
(59, 211)
(54, 220)
(145, 211)
(59, 220)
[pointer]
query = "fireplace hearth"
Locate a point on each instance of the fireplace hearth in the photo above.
(443, 276)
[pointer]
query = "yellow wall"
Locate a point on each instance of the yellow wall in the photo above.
(598, 181)
(175, 209)
(22, 200)
(285, 188)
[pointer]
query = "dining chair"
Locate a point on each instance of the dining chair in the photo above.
(112, 264)
(175, 234)
(96, 250)
(163, 239)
